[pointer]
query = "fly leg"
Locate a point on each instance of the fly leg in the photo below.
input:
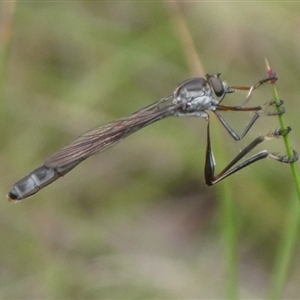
(258, 111)
(231, 168)
(252, 88)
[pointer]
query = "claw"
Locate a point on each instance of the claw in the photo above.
(285, 132)
(272, 76)
(280, 112)
(288, 160)
(273, 103)
(279, 132)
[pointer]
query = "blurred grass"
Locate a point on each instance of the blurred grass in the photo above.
(137, 221)
(227, 210)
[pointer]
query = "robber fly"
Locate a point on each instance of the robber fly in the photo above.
(194, 97)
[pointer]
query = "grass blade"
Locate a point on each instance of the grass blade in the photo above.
(290, 232)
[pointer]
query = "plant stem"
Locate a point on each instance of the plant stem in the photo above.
(290, 231)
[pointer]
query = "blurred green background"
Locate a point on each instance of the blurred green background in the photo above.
(137, 221)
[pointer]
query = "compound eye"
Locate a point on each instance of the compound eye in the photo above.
(217, 85)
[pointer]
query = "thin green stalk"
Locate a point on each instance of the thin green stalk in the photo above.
(286, 138)
(290, 231)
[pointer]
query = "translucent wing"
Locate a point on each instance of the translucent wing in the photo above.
(102, 137)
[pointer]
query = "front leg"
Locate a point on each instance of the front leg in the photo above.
(258, 111)
(252, 88)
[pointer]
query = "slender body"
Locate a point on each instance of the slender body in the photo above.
(193, 97)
